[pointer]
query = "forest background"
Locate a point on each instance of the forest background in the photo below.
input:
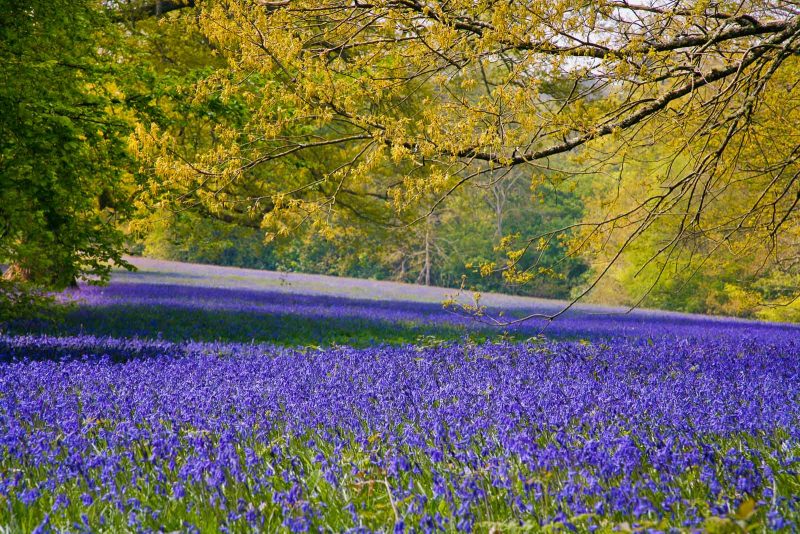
(99, 101)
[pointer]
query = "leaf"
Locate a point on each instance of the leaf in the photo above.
(746, 509)
(721, 525)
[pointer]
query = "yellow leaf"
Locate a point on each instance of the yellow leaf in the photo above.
(746, 509)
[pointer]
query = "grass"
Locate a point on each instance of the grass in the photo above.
(180, 324)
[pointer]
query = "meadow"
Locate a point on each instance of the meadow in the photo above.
(185, 398)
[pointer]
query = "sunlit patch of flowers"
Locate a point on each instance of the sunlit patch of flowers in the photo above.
(626, 433)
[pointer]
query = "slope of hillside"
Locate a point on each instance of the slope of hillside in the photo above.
(164, 272)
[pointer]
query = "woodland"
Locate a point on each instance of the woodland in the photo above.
(640, 154)
(179, 178)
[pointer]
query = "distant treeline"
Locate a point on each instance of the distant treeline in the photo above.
(446, 249)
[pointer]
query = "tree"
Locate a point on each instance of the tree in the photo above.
(62, 186)
(392, 84)
(752, 274)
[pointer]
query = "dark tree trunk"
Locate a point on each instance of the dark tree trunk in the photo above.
(17, 273)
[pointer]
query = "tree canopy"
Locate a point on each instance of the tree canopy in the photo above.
(628, 152)
(63, 184)
(406, 101)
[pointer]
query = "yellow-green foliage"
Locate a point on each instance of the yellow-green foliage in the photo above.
(680, 121)
(734, 255)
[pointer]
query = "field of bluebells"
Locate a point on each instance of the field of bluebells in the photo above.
(157, 407)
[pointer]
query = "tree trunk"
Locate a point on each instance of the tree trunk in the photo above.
(427, 251)
(17, 273)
